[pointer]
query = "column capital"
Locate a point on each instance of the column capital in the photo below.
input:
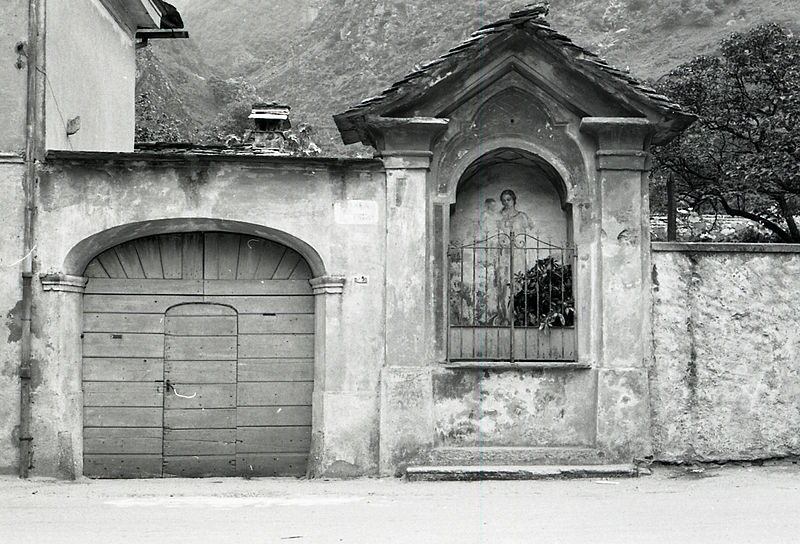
(619, 132)
(63, 282)
(404, 143)
(622, 142)
(327, 285)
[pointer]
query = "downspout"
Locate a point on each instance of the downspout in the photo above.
(33, 136)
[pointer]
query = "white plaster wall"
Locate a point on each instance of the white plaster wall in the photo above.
(91, 73)
(13, 79)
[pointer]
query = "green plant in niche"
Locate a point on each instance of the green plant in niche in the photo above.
(543, 295)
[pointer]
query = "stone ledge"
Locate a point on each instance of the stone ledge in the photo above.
(508, 365)
(518, 472)
(723, 247)
(514, 456)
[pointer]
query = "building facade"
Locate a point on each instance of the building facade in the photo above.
(478, 293)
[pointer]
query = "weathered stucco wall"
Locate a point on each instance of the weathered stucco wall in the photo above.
(335, 207)
(91, 73)
(11, 210)
(514, 408)
(725, 376)
(13, 85)
(13, 75)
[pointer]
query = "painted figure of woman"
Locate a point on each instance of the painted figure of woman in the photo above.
(510, 217)
(518, 222)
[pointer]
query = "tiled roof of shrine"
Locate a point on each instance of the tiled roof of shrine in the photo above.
(531, 19)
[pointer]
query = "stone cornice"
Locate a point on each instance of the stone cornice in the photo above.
(622, 159)
(63, 282)
(327, 285)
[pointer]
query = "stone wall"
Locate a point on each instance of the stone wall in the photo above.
(725, 376)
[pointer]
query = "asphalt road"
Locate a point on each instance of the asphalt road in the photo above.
(674, 505)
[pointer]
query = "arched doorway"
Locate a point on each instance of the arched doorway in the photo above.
(511, 262)
(197, 358)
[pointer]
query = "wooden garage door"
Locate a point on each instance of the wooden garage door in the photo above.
(198, 358)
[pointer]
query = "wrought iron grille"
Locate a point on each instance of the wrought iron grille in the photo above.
(511, 299)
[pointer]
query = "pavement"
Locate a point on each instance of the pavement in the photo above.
(729, 504)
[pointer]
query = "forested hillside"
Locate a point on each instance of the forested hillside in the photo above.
(322, 56)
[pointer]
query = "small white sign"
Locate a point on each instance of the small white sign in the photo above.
(355, 212)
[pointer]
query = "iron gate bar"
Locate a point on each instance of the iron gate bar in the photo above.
(493, 296)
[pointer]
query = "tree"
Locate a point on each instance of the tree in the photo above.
(742, 156)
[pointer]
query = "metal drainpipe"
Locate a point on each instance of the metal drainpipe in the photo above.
(33, 134)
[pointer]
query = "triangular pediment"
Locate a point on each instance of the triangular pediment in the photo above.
(525, 46)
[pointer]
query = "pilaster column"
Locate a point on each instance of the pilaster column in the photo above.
(404, 146)
(624, 253)
(56, 377)
(327, 351)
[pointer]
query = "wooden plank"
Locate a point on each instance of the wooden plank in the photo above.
(276, 464)
(199, 442)
(95, 270)
(219, 325)
(192, 256)
(122, 466)
(171, 255)
(228, 254)
(201, 309)
(481, 344)
(200, 466)
(149, 252)
(274, 393)
(123, 323)
(130, 260)
(126, 440)
(200, 371)
(302, 271)
(222, 418)
(139, 304)
(143, 287)
(102, 344)
(467, 342)
(122, 417)
(276, 323)
(124, 369)
(203, 396)
(211, 256)
(276, 370)
(111, 264)
(273, 439)
(249, 254)
(273, 416)
(271, 255)
(276, 345)
(256, 287)
(120, 394)
(198, 348)
(504, 343)
(287, 265)
(297, 304)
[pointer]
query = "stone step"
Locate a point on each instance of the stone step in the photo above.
(518, 472)
(474, 456)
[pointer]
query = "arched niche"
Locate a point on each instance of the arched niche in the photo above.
(510, 262)
(541, 195)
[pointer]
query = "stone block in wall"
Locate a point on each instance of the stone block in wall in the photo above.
(406, 432)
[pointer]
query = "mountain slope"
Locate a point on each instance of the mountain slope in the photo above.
(322, 56)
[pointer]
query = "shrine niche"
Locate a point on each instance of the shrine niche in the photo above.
(510, 263)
